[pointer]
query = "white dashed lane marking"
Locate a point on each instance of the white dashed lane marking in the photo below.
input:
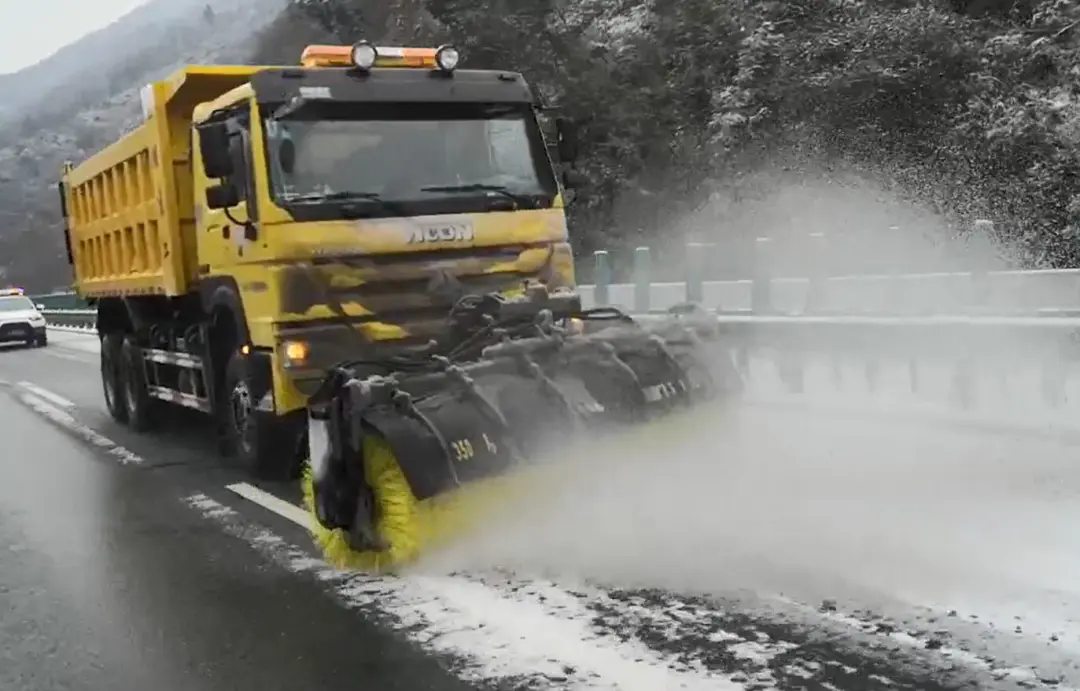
(272, 503)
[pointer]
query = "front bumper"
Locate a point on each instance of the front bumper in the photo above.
(20, 332)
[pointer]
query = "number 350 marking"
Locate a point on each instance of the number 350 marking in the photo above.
(463, 448)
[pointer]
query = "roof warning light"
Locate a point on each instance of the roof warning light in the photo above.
(364, 56)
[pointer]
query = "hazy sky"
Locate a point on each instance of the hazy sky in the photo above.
(33, 30)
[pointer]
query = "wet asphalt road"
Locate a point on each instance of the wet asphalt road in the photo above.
(126, 563)
(108, 582)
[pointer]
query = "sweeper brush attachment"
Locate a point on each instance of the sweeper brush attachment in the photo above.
(415, 448)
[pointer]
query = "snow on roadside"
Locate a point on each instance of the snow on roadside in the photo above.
(492, 635)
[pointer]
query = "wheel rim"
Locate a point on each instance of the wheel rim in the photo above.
(240, 401)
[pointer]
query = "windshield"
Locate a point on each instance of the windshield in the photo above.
(415, 154)
(15, 304)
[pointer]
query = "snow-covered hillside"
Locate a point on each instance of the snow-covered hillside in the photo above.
(73, 103)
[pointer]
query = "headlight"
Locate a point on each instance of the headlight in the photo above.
(295, 353)
(364, 55)
(447, 57)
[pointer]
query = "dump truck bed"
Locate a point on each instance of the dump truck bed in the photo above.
(131, 215)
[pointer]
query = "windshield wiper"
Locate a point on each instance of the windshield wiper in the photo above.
(347, 196)
(518, 199)
(332, 196)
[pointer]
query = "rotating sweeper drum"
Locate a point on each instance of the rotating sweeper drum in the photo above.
(409, 451)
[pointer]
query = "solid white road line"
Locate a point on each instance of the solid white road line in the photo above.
(46, 394)
(269, 502)
(65, 420)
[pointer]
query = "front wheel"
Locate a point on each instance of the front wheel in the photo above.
(257, 439)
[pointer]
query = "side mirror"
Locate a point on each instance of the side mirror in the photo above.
(568, 140)
(223, 196)
(39, 307)
(214, 148)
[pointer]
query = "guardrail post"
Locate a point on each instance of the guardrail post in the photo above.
(872, 370)
(761, 288)
(696, 255)
(836, 371)
(980, 275)
(741, 355)
(790, 365)
(791, 369)
(601, 278)
(1052, 376)
(642, 283)
(963, 384)
(817, 272)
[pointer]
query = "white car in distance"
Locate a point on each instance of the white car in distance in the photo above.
(21, 321)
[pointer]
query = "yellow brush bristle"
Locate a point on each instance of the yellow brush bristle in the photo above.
(410, 527)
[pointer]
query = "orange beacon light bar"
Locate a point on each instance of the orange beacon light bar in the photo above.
(364, 56)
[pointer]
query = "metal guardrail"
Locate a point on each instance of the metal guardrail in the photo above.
(73, 318)
(961, 339)
(952, 292)
(949, 358)
(765, 288)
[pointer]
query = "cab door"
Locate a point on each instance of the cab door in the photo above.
(227, 236)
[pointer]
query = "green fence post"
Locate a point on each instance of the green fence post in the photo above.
(695, 271)
(761, 288)
(980, 275)
(817, 272)
(642, 284)
(602, 278)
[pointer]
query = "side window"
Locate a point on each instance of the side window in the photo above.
(240, 152)
(509, 145)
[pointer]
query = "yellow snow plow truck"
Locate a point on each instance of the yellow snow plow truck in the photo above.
(359, 268)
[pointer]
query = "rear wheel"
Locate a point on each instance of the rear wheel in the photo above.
(110, 376)
(257, 439)
(137, 401)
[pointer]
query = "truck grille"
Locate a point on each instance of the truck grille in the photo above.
(414, 292)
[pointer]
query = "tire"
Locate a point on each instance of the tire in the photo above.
(256, 440)
(42, 341)
(137, 401)
(110, 377)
